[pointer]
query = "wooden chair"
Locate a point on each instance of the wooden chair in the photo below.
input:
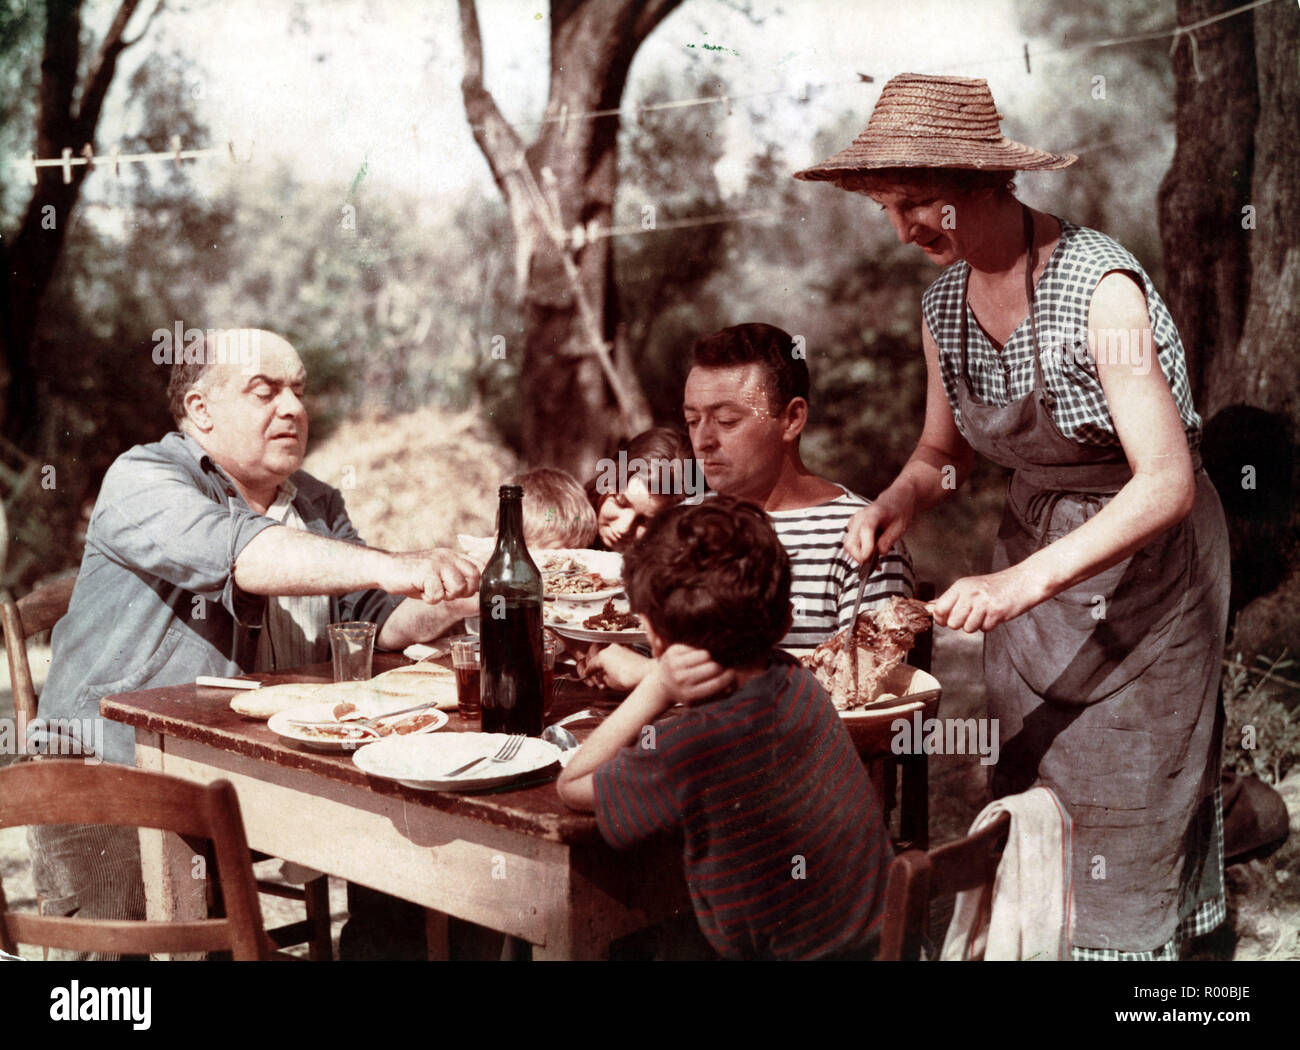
(917, 879)
(33, 614)
(75, 793)
(38, 612)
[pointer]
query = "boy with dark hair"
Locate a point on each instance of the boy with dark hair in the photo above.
(786, 853)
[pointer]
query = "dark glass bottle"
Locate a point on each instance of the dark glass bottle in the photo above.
(510, 624)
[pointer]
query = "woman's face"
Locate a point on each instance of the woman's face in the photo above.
(623, 516)
(928, 216)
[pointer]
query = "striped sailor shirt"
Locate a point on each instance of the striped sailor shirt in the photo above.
(785, 850)
(824, 578)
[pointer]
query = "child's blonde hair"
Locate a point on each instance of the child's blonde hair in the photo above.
(556, 510)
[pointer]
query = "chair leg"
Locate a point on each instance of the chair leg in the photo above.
(316, 896)
(914, 808)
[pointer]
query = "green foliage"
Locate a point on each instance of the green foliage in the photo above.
(386, 312)
(1258, 715)
(20, 50)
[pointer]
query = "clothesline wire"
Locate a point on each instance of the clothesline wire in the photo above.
(636, 110)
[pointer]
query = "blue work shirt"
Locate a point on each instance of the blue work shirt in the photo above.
(156, 602)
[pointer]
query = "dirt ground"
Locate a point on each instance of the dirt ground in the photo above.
(418, 480)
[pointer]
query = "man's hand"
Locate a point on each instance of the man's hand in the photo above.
(432, 576)
(691, 674)
(613, 667)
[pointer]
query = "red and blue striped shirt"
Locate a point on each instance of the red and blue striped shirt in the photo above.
(785, 849)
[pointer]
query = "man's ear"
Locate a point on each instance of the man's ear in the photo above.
(794, 417)
(196, 409)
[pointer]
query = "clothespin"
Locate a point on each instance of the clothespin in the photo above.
(807, 90)
(176, 149)
(564, 119)
(593, 231)
(1173, 46)
(726, 102)
(67, 164)
(578, 238)
(88, 151)
(117, 160)
(1027, 69)
(866, 79)
(31, 168)
(638, 114)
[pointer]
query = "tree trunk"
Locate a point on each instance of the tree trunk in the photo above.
(67, 118)
(575, 406)
(1229, 208)
(1207, 253)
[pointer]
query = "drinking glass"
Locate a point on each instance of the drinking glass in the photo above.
(352, 646)
(466, 661)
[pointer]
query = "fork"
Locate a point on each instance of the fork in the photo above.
(505, 753)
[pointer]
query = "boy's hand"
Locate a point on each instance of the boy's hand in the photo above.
(613, 667)
(692, 675)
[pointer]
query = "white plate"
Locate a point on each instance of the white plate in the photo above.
(567, 619)
(424, 761)
(324, 712)
(584, 634)
(607, 563)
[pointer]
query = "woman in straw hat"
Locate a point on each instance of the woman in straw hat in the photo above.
(1106, 607)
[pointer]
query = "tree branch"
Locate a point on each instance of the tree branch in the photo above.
(92, 99)
(651, 14)
(500, 145)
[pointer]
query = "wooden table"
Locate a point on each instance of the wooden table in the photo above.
(519, 862)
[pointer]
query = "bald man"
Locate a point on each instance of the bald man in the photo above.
(211, 552)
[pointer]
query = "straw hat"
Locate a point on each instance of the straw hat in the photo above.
(934, 122)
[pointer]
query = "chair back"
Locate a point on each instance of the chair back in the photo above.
(32, 614)
(71, 792)
(917, 879)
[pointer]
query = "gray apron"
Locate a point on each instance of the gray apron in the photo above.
(1107, 693)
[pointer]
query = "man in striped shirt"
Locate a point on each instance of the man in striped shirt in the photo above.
(746, 406)
(785, 850)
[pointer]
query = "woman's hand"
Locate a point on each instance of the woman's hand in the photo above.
(613, 667)
(980, 603)
(882, 524)
(692, 674)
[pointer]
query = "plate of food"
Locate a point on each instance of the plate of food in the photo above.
(614, 623)
(334, 727)
(568, 574)
(424, 762)
(878, 643)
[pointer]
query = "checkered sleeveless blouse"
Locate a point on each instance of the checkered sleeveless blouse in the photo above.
(1061, 299)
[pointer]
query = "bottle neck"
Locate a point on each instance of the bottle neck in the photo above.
(510, 524)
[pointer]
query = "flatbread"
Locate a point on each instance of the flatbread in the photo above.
(418, 683)
(423, 682)
(272, 699)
